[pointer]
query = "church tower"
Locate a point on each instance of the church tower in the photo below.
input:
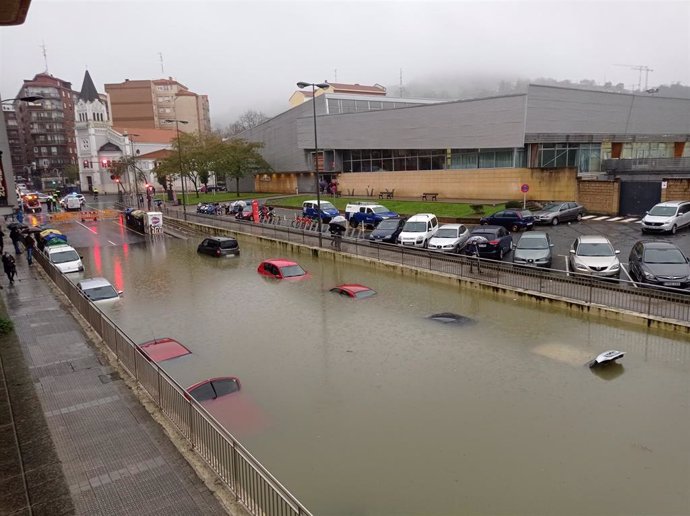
(92, 125)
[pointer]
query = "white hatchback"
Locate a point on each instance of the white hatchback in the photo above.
(64, 257)
(98, 290)
(418, 230)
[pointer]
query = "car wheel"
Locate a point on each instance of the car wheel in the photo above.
(674, 228)
(555, 221)
(353, 223)
(501, 253)
(515, 228)
(579, 217)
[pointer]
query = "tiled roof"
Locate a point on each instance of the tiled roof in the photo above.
(144, 135)
(339, 86)
(159, 154)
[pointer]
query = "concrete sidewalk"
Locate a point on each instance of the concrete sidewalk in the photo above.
(86, 445)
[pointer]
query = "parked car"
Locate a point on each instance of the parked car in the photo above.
(64, 257)
(353, 290)
(388, 230)
(667, 217)
(219, 246)
(660, 264)
(72, 201)
(367, 213)
(98, 290)
(449, 238)
(159, 350)
(594, 254)
(327, 211)
(533, 249)
(418, 230)
(281, 269)
(498, 241)
(512, 220)
(556, 212)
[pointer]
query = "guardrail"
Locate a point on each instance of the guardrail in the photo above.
(251, 483)
(669, 305)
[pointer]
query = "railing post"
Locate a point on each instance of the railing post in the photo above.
(191, 424)
(158, 373)
(649, 304)
(591, 287)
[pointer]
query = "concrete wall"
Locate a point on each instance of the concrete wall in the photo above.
(476, 184)
(676, 190)
(599, 196)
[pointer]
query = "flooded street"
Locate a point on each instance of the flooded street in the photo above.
(368, 407)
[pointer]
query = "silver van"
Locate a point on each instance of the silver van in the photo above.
(667, 217)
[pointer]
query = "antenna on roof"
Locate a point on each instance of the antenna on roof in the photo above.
(335, 75)
(160, 55)
(45, 54)
(401, 84)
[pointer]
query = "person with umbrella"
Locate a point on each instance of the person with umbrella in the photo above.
(30, 244)
(15, 236)
(9, 266)
(336, 227)
(472, 250)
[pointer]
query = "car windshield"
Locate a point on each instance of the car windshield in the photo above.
(447, 233)
(552, 207)
(415, 227)
(388, 224)
(64, 256)
(292, 271)
(663, 211)
(595, 249)
(533, 243)
(325, 205)
(379, 209)
(364, 293)
(485, 234)
(99, 293)
(668, 255)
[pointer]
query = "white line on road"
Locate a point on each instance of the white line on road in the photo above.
(86, 227)
(588, 217)
(629, 276)
(615, 219)
(111, 242)
(567, 269)
(602, 218)
(630, 219)
(638, 222)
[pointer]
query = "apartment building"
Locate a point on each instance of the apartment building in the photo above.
(149, 103)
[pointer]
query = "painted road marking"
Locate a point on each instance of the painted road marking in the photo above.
(601, 218)
(111, 242)
(86, 227)
(615, 219)
(629, 276)
(588, 217)
(631, 219)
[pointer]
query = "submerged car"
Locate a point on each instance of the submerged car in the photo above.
(281, 269)
(659, 264)
(159, 350)
(214, 388)
(64, 257)
(353, 290)
(219, 246)
(449, 238)
(98, 290)
(388, 230)
(556, 212)
(533, 249)
(594, 254)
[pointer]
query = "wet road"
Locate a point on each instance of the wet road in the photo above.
(367, 407)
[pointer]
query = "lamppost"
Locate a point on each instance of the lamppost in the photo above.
(302, 85)
(179, 150)
(134, 166)
(31, 98)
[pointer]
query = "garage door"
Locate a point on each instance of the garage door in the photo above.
(639, 196)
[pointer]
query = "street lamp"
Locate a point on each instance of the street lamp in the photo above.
(30, 98)
(179, 150)
(302, 85)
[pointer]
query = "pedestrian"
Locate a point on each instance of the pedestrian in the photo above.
(20, 215)
(15, 236)
(9, 265)
(472, 250)
(49, 204)
(2, 241)
(30, 244)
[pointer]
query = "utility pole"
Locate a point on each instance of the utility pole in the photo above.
(640, 68)
(45, 55)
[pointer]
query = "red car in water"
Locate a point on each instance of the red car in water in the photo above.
(281, 269)
(159, 350)
(353, 290)
(234, 410)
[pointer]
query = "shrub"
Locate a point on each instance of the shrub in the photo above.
(6, 326)
(513, 204)
(478, 209)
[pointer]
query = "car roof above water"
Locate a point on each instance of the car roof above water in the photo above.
(93, 283)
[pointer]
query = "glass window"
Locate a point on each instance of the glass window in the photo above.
(487, 159)
(348, 106)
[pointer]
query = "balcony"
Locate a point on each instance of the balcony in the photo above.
(642, 165)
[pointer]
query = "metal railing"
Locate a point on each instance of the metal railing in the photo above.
(671, 305)
(251, 483)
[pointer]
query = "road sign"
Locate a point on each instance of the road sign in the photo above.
(524, 188)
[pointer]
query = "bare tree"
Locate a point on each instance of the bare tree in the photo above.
(247, 120)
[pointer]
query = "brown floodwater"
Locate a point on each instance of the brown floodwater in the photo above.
(369, 407)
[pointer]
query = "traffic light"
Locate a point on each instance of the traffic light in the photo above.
(86, 163)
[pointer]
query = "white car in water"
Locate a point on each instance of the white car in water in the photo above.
(98, 290)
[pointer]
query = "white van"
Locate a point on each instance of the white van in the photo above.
(667, 216)
(418, 230)
(64, 257)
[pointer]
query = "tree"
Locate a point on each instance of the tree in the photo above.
(71, 173)
(237, 158)
(247, 120)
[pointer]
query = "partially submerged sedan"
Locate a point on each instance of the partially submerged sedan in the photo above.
(281, 268)
(353, 290)
(160, 350)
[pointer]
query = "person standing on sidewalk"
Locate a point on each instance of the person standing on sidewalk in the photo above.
(30, 244)
(2, 242)
(15, 237)
(9, 266)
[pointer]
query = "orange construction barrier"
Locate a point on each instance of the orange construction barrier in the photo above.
(89, 215)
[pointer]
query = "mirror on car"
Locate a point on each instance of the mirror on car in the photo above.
(572, 251)
(120, 292)
(617, 251)
(550, 245)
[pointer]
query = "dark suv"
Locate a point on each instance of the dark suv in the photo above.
(219, 246)
(512, 220)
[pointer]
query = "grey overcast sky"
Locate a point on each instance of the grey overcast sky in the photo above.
(249, 54)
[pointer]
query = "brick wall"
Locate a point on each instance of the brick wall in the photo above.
(599, 196)
(676, 190)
